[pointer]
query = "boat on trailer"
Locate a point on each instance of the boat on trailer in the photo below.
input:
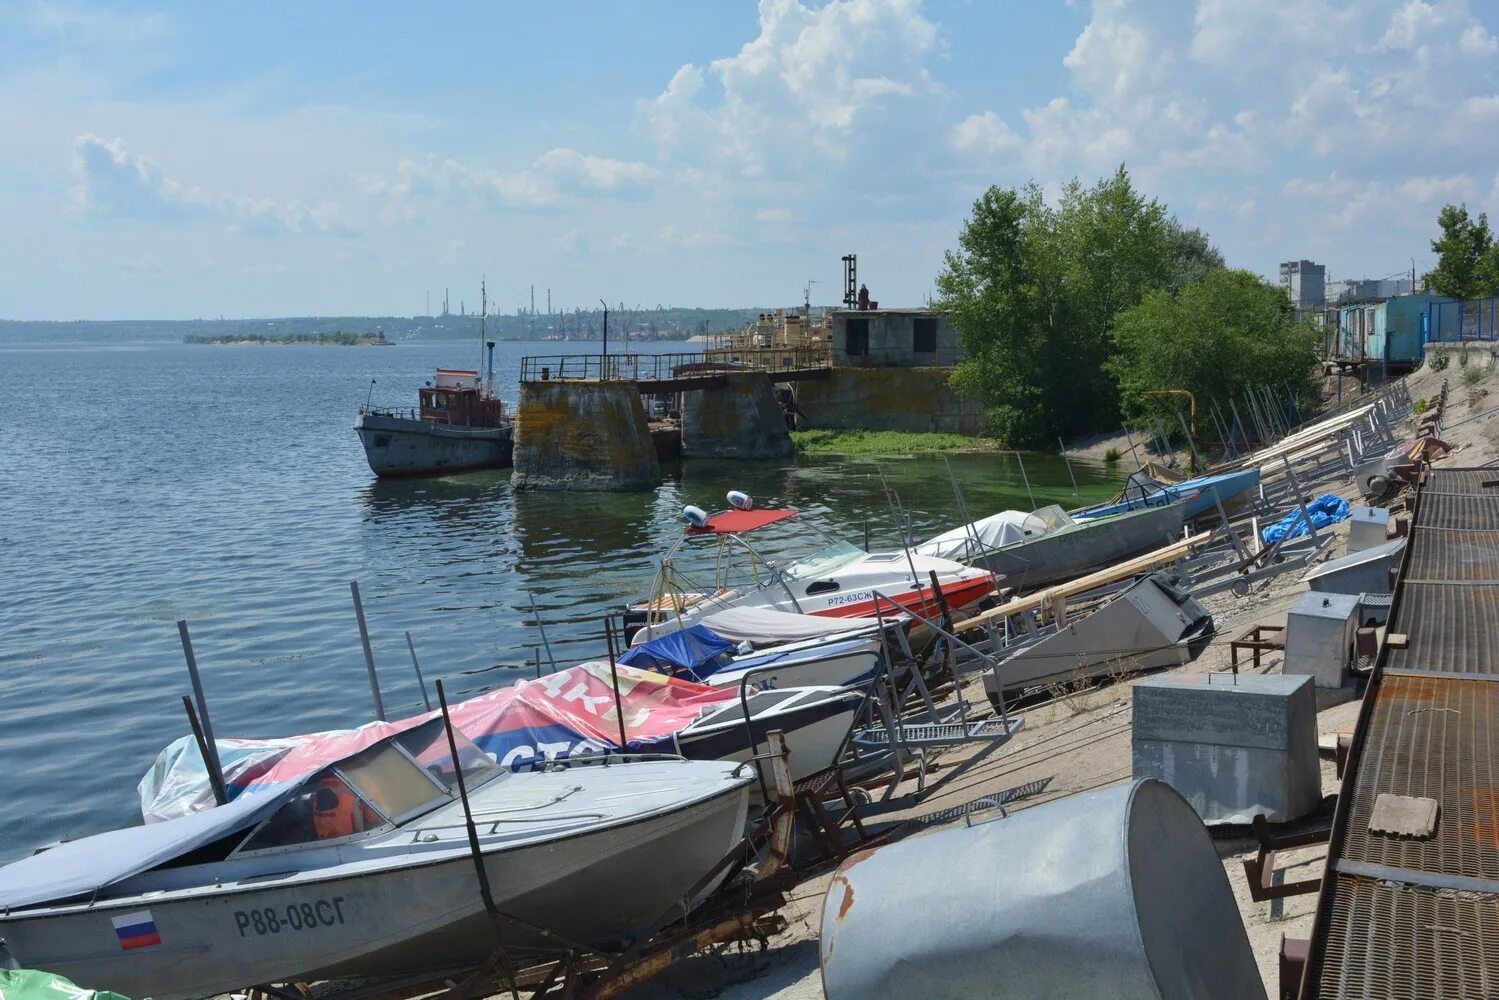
(1202, 495)
(838, 580)
(364, 868)
(1052, 547)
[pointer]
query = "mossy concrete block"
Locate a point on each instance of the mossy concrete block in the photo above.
(889, 399)
(576, 435)
(738, 421)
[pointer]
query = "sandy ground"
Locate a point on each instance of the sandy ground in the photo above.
(1083, 741)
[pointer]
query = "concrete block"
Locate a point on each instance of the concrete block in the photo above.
(741, 420)
(1231, 749)
(1320, 637)
(577, 435)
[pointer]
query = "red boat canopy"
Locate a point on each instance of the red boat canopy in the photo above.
(729, 522)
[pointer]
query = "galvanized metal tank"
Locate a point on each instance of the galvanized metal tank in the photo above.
(1116, 893)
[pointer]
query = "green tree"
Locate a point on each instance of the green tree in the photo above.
(1223, 333)
(1467, 260)
(1033, 292)
(1190, 256)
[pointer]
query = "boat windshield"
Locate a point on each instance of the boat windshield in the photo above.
(382, 785)
(821, 563)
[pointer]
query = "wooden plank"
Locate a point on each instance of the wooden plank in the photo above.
(1055, 596)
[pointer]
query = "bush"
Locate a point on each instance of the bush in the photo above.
(1112, 455)
(1420, 406)
(1437, 359)
(1472, 375)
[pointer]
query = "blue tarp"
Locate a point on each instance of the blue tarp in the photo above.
(694, 653)
(1326, 509)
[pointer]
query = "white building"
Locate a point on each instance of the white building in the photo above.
(1305, 283)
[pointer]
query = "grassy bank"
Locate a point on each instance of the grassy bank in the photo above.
(828, 442)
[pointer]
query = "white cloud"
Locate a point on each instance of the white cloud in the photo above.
(551, 179)
(986, 133)
(1476, 41)
(112, 181)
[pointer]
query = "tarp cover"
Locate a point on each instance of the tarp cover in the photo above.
(563, 714)
(1325, 510)
(768, 627)
(695, 652)
(965, 543)
(29, 984)
(80, 867)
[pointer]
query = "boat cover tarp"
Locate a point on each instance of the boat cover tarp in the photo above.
(83, 866)
(786, 657)
(566, 713)
(694, 652)
(1325, 510)
(31, 984)
(982, 535)
(767, 627)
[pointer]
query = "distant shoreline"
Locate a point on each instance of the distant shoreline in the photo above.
(288, 340)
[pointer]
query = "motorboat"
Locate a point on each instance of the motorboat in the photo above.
(837, 580)
(1202, 495)
(1151, 624)
(700, 654)
(1048, 545)
(364, 867)
(566, 715)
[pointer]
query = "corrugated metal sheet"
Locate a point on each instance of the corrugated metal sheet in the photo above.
(1431, 737)
(1419, 916)
(1448, 627)
(1387, 940)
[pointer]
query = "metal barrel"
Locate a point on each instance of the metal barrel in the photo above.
(1115, 893)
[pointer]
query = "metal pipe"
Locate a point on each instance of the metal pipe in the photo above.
(1191, 445)
(619, 705)
(542, 628)
(215, 779)
(369, 654)
(1027, 480)
(211, 753)
(416, 665)
(1066, 461)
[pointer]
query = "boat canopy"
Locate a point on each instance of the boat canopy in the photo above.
(764, 626)
(1004, 528)
(566, 713)
(737, 522)
(694, 652)
(81, 867)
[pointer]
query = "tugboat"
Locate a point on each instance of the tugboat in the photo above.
(460, 425)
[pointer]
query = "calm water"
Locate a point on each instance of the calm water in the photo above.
(225, 485)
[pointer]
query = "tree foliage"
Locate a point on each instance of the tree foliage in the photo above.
(1467, 258)
(1229, 330)
(1034, 291)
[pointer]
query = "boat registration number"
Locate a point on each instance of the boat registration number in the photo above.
(291, 917)
(837, 600)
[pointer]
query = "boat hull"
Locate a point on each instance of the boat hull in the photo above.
(400, 446)
(1083, 547)
(1198, 493)
(815, 735)
(421, 917)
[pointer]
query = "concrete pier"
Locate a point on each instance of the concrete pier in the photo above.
(583, 435)
(738, 421)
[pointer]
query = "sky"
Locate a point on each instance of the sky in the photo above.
(284, 159)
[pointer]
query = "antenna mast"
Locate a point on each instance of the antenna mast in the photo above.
(483, 315)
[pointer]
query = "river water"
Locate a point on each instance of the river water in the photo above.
(140, 484)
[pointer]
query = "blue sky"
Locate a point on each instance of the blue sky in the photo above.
(290, 159)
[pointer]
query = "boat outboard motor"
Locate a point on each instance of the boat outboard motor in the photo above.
(741, 501)
(696, 516)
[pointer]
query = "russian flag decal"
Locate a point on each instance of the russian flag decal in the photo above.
(136, 930)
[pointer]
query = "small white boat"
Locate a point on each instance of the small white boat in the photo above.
(364, 868)
(838, 580)
(816, 721)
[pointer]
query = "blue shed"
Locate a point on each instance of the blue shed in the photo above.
(1388, 331)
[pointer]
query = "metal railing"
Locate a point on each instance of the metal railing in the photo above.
(665, 367)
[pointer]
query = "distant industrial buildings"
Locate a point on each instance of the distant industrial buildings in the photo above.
(1305, 284)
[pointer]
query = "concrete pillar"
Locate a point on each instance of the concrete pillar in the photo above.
(740, 420)
(583, 436)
